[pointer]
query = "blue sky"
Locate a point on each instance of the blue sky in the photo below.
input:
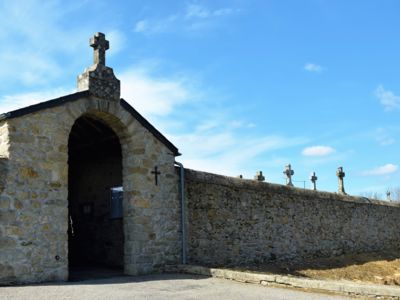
(238, 86)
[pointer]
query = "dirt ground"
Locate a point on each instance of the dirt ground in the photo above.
(378, 268)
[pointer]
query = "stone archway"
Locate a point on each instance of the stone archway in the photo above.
(95, 235)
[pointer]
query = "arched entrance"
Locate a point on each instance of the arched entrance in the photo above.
(95, 235)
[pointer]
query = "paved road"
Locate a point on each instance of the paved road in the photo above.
(166, 286)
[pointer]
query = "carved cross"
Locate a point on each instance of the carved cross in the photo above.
(289, 173)
(340, 174)
(156, 173)
(100, 45)
(314, 179)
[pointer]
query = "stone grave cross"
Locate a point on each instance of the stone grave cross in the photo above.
(314, 179)
(259, 176)
(340, 174)
(289, 173)
(100, 45)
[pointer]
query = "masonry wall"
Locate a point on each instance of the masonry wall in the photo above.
(34, 193)
(236, 222)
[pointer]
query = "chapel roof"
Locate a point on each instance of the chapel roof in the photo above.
(79, 95)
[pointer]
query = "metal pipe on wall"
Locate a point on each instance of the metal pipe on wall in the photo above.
(183, 211)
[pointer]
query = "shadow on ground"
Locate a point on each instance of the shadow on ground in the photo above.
(104, 277)
(381, 268)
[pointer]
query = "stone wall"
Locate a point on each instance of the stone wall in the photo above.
(236, 222)
(34, 201)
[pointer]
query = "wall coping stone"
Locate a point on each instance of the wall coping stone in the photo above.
(210, 178)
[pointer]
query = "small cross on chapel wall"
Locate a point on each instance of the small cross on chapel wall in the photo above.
(156, 173)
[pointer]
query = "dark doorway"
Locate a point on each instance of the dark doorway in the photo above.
(95, 235)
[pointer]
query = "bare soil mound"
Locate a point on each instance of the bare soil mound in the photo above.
(377, 268)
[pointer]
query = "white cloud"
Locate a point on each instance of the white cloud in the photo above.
(226, 152)
(197, 11)
(208, 138)
(151, 95)
(16, 101)
(310, 67)
(383, 137)
(383, 170)
(153, 26)
(318, 151)
(387, 98)
(195, 17)
(117, 41)
(202, 12)
(386, 141)
(141, 26)
(27, 67)
(33, 37)
(225, 12)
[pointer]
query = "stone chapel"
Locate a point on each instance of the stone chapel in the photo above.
(85, 180)
(87, 183)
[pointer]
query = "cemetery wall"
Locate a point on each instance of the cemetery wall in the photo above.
(236, 222)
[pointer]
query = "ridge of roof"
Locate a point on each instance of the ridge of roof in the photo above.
(43, 105)
(78, 95)
(149, 126)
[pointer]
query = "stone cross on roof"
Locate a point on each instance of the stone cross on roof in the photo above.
(340, 174)
(100, 46)
(98, 78)
(289, 173)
